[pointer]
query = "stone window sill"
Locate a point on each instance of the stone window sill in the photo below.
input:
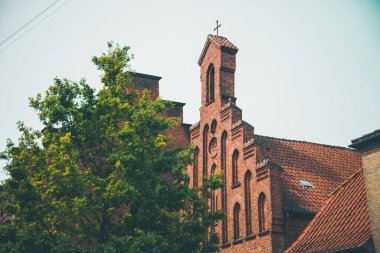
(226, 245)
(236, 185)
(250, 237)
(210, 102)
(265, 232)
(240, 240)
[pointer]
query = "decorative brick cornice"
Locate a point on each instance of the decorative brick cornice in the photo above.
(224, 107)
(249, 143)
(236, 124)
(194, 130)
(236, 130)
(194, 126)
(249, 148)
(261, 164)
(262, 170)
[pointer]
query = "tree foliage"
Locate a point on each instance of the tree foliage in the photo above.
(98, 177)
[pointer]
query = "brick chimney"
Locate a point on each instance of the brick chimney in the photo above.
(369, 146)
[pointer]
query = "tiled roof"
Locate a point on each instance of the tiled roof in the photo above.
(324, 166)
(223, 42)
(219, 41)
(342, 222)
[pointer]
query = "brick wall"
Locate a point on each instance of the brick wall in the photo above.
(227, 116)
(179, 134)
(148, 82)
(371, 164)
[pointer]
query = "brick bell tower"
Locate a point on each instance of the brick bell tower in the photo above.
(220, 136)
(218, 64)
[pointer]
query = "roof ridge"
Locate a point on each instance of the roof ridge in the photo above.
(306, 142)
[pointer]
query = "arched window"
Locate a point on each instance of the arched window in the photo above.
(195, 167)
(205, 153)
(213, 126)
(235, 157)
(247, 198)
(213, 201)
(210, 86)
(223, 146)
(262, 208)
(236, 221)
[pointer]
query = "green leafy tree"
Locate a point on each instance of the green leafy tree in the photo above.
(99, 177)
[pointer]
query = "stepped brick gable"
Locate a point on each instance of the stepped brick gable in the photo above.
(267, 206)
(274, 188)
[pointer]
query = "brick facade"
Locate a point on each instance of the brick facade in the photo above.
(179, 135)
(263, 196)
(272, 165)
(369, 145)
(371, 164)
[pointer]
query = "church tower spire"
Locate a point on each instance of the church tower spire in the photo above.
(218, 64)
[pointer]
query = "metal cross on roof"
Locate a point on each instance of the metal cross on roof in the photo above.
(217, 27)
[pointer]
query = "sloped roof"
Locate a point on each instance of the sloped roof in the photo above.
(223, 43)
(366, 136)
(342, 223)
(324, 166)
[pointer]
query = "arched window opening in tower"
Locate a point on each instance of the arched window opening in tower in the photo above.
(247, 198)
(223, 147)
(262, 208)
(236, 221)
(210, 86)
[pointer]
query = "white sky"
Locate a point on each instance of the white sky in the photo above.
(307, 70)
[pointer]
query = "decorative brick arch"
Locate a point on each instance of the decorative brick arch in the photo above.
(237, 199)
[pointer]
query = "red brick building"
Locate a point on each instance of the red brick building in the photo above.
(273, 187)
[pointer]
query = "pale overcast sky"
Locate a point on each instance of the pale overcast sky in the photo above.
(306, 70)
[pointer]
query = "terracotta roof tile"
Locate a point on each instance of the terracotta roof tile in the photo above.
(223, 43)
(341, 223)
(324, 166)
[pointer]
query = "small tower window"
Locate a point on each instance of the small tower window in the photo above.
(210, 85)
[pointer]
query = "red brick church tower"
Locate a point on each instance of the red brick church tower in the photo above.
(273, 187)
